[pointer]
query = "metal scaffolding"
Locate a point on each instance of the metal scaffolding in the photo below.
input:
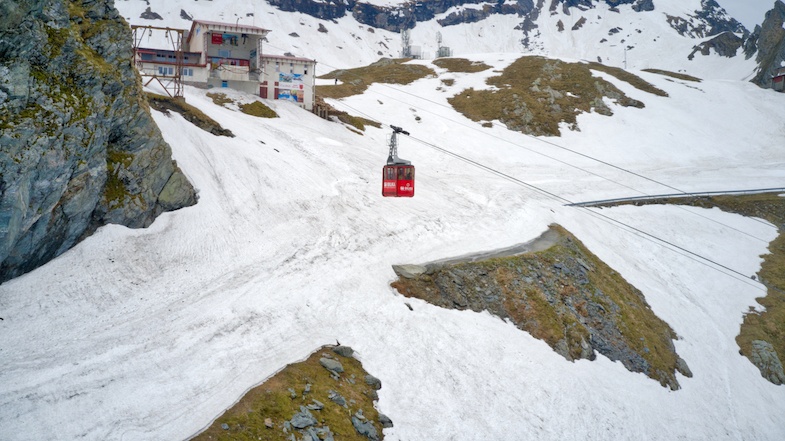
(172, 84)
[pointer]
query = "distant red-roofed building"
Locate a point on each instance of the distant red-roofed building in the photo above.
(778, 80)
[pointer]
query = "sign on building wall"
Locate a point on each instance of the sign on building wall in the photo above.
(217, 38)
(291, 87)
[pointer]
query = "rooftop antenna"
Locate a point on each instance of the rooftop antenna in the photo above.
(393, 158)
(406, 47)
(441, 51)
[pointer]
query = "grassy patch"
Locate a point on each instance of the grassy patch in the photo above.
(676, 75)
(633, 80)
(190, 113)
(768, 325)
(564, 295)
(273, 400)
(461, 65)
(258, 109)
(448, 81)
(356, 81)
(357, 122)
(220, 98)
(536, 94)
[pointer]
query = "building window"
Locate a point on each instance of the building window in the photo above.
(305, 71)
(188, 72)
(224, 83)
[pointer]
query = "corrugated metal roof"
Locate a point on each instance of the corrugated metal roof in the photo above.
(286, 57)
(238, 26)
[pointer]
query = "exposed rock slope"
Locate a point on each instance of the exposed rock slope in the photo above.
(771, 45)
(562, 294)
(762, 335)
(328, 396)
(79, 147)
(535, 95)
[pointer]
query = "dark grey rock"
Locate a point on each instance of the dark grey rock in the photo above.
(764, 356)
(385, 421)
(643, 5)
(374, 382)
(343, 351)
(303, 419)
(186, 16)
(336, 398)
(726, 44)
(331, 365)
(769, 39)
(311, 435)
(148, 14)
(579, 24)
(325, 434)
(365, 428)
(682, 367)
(315, 405)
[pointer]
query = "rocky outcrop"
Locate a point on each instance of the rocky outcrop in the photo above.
(563, 295)
(765, 358)
(726, 44)
(308, 401)
(770, 43)
(79, 147)
(643, 5)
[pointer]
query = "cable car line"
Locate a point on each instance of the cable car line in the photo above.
(724, 269)
(641, 233)
(696, 257)
(485, 133)
(563, 200)
(525, 134)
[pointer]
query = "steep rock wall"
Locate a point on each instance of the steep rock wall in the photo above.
(771, 45)
(79, 148)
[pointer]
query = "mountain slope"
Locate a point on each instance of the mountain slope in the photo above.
(291, 247)
(631, 33)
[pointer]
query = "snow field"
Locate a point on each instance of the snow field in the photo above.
(163, 328)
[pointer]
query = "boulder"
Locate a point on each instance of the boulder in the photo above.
(343, 351)
(765, 358)
(331, 365)
(303, 419)
(374, 382)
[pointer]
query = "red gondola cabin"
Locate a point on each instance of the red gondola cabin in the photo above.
(398, 181)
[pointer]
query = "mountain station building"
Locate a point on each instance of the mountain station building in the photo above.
(215, 55)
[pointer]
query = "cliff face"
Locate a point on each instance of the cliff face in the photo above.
(79, 147)
(771, 45)
(709, 20)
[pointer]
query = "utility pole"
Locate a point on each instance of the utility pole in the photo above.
(625, 57)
